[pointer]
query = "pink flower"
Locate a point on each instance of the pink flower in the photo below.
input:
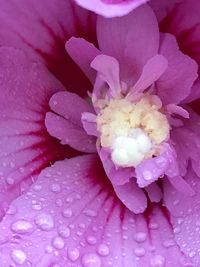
(111, 8)
(70, 213)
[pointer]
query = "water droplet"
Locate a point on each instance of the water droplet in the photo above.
(10, 180)
(91, 240)
(58, 242)
(56, 188)
(157, 261)
(49, 249)
(67, 213)
(22, 227)
(91, 260)
(140, 237)
(37, 187)
(64, 231)
(18, 256)
(139, 252)
(73, 254)
(103, 250)
(147, 175)
(44, 221)
(90, 213)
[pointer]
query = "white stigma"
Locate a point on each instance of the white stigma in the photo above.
(129, 151)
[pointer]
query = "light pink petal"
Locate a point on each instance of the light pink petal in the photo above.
(42, 30)
(173, 86)
(195, 92)
(108, 70)
(71, 217)
(151, 72)
(25, 145)
(83, 53)
(89, 123)
(151, 170)
(117, 176)
(69, 133)
(111, 8)
(181, 185)
(132, 196)
(125, 39)
(154, 192)
(70, 106)
(183, 22)
(162, 8)
(185, 216)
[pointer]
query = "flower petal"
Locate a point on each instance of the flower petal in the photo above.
(25, 145)
(111, 8)
(132, 196)
(185, 216)
(152, 169)
(75, 48)
(151, 72)
(42, 30)
(66, 125)
(117, 39)
(108, 70)
(69, 133)
(180, 82)
(71, 217)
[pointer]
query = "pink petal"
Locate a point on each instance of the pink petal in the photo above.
(42, 30)
(71, 217)
(89, 123)
(185, 216)
(66, 125)
(128, 44)
(108, 70)
(111, 8)
(154, 192)
(25, 146)
(75, 48)
(151, 72)
(173, 86)
(69, 133)
(162, 8)
(183, 22)
(151, 170)
(70, 106)
(117, 176)
(132, 196)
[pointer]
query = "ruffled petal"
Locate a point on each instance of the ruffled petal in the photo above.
(173, 86)
(66, 124)
(75, 48)
(185, 216)
(111, 8)
(71, 217)
(152, 169)
(25, 145)
(151, 72)
(117, 39)
(42, 30)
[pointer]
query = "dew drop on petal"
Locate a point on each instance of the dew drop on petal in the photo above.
(21, 227)
(73, 254)
(67, 213)
(103, 250)
(157, 261)
(91, 240)
(140, 237)
(91, 260)
(56, 188)
(44, 221)
(64, 231)
(18, 256)
(58, 242)
(139, 252)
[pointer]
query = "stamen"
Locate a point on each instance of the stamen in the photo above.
(132, 131)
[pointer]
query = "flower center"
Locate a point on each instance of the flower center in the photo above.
(133, 131)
